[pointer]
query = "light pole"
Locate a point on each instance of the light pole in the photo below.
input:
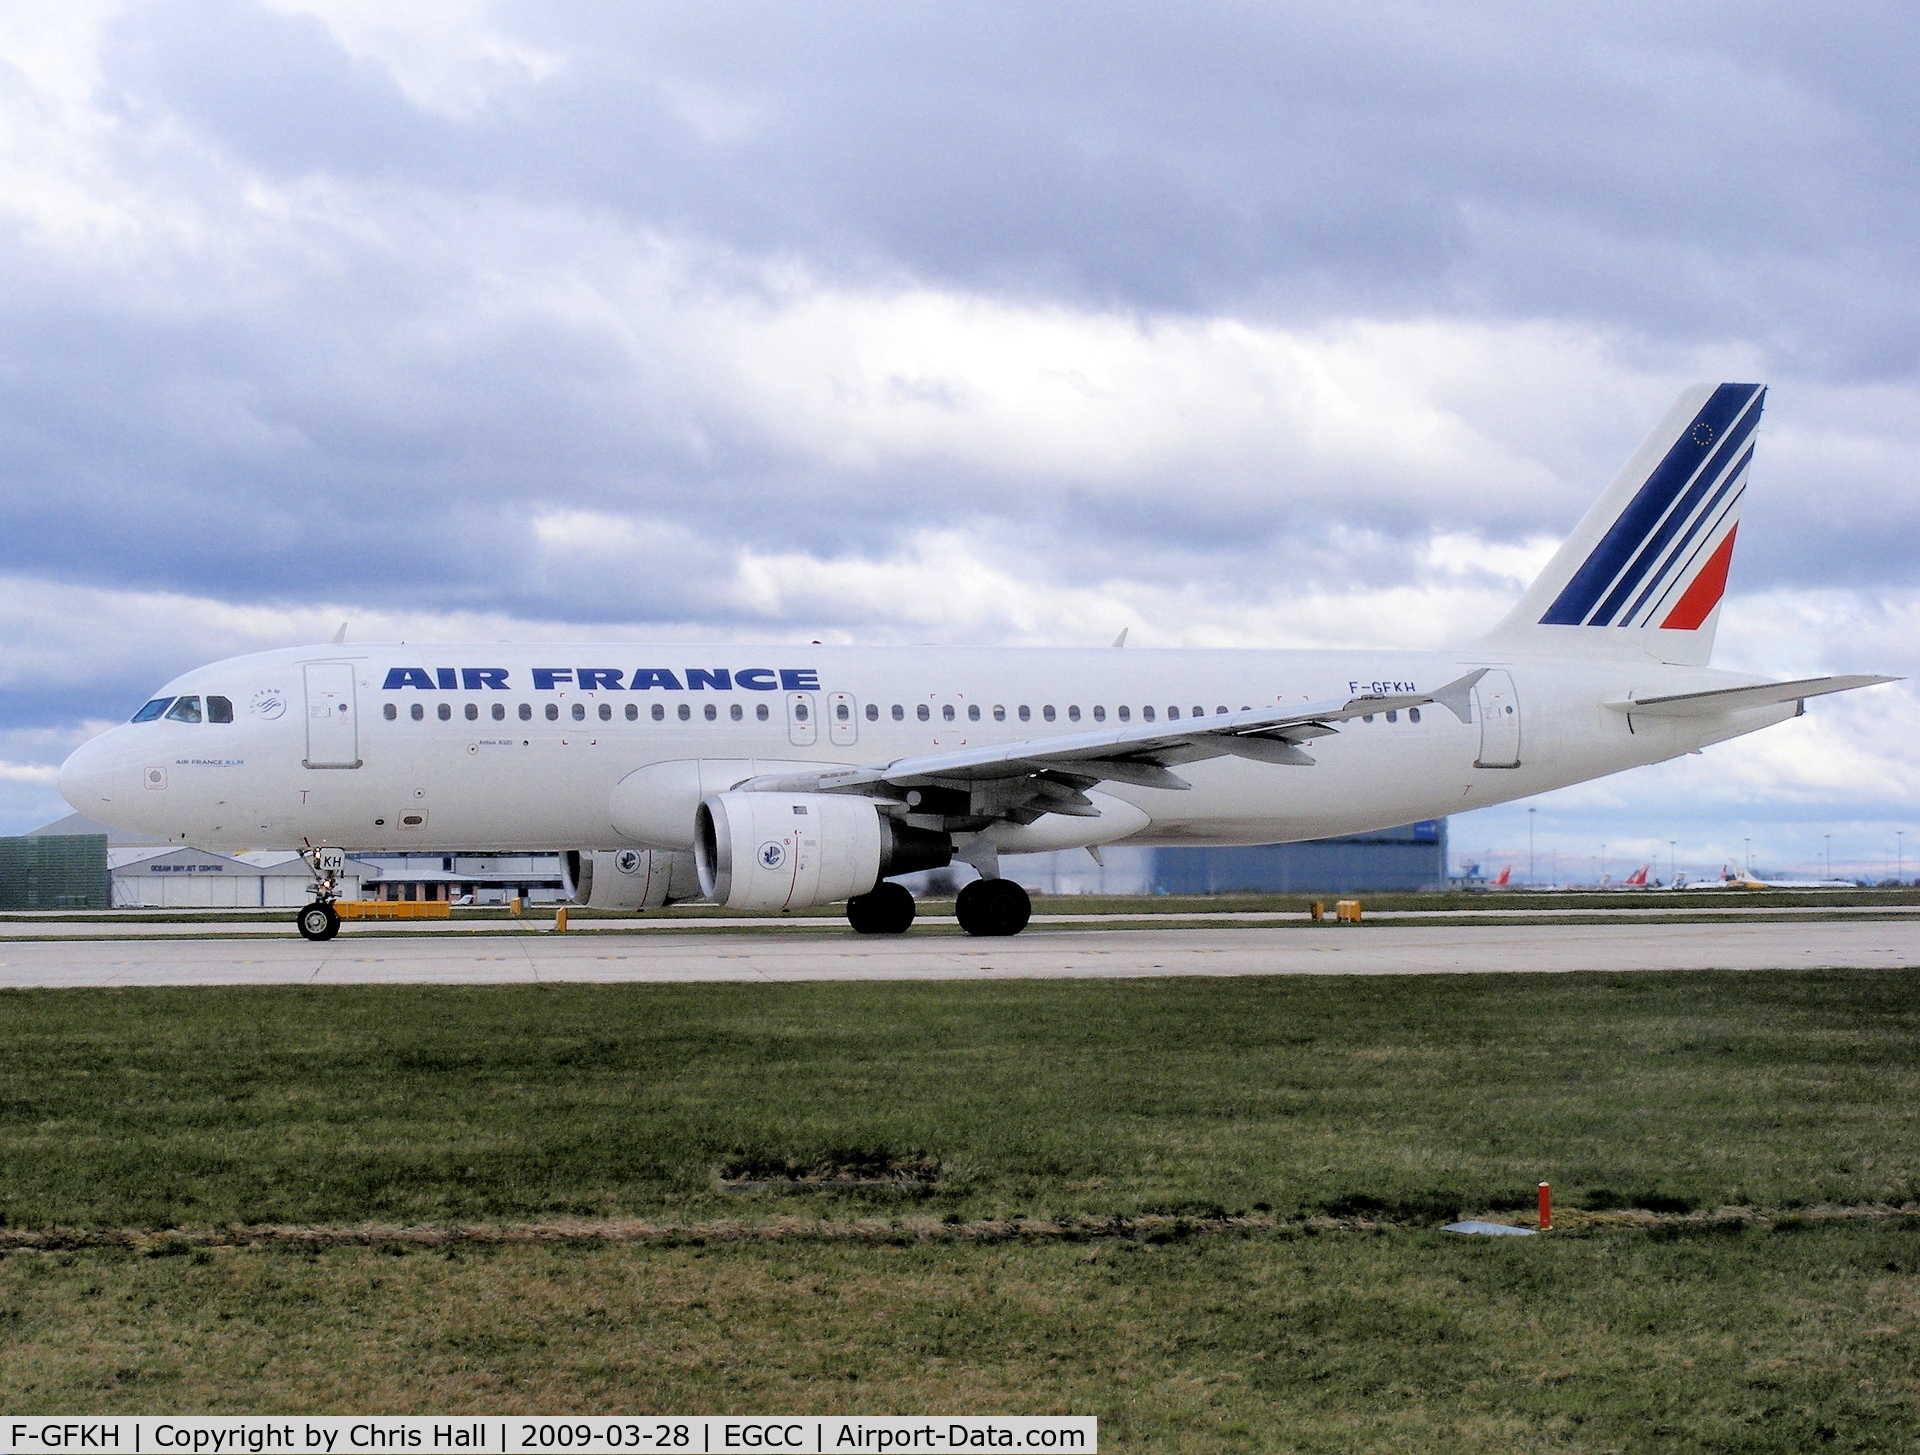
(1749, 854)
(1603, 863)
(1673, 850)
(1532, 880)
(1900, 848)
(1829, 839)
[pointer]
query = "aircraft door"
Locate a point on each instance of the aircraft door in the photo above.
(843, 719)
(1498, 707)
(803, 727)
(333, 730)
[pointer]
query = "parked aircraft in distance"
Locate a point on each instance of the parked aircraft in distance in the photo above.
(1747, 879)
(779, 777)
(1637, 879)
(1503, 879)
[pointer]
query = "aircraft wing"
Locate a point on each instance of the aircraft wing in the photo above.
(1734, 699)
(1056, 769)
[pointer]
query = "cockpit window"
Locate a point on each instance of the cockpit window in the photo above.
(219, 709)
(152, 709)
(184, 709)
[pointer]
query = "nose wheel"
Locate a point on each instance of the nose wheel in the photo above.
(993, 907)
(318, 921)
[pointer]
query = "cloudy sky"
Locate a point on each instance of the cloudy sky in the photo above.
(1229, 324)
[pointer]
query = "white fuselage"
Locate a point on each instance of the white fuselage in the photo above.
(489, 747)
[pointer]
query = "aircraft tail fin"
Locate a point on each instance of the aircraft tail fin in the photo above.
(1644, 572)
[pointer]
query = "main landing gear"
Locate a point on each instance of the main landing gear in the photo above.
(993, 907)
(885, 909)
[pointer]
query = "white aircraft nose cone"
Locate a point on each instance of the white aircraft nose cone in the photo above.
(87, 778)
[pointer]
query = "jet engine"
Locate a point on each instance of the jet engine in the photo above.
(631, 878)
(764, 850)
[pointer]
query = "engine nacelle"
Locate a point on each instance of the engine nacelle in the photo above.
(760, 850)
(631, 878)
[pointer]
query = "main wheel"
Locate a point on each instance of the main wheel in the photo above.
(318, 921)
(993, 907)
(885, 909)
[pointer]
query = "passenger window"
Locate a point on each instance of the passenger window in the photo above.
(499, 712)
(219, 709)
(1219, 710)
(800, 713)
(389, 712)
(1413, 714)
(1127, 712)
(553, 712)
(1393, 717)
(417, 712)
(1146, 714)
(1367, 718)
(579, 712)
(999, 713)
(633, 712)
(713, 713)
(899, 713)
(1026, 713)
(973, 712)
(736, 712)
(606, 712)
(1173, 714)
(659, 712)
(526, 712)
(843, 712)
(1073, 714)
(473, 712)
(873, 712)
(686, 713)
(1047, 712)
(445, 712)
(1099, 714)
(946, 712)
(184, 709)
(923, 712)
(1199, 711)
(760, 711)
(152, 709)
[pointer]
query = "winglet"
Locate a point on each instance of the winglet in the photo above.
(341, 635)
(1457, 696)
(1121, 640)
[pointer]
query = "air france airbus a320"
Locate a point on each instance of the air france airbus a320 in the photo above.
(780, 777)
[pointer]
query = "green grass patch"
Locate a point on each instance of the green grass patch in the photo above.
(1404, 1098)
(1752, 1342)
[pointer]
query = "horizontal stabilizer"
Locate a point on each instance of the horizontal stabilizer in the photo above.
(1737, 699)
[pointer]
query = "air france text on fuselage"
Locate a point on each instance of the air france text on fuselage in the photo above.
(605, 679)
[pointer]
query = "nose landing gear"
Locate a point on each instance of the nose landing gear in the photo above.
(320, 920)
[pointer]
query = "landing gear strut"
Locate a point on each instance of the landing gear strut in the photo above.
(885, 909)
(993, 907)
(320, 920)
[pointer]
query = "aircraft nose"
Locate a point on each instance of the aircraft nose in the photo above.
(87, 778)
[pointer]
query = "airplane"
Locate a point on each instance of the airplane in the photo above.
(1747, 879)
(1503, 879)
(1637, 879)
(782, 777)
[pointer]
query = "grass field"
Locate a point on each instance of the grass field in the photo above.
(1394, 1101)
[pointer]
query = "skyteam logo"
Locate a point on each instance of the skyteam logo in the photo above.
(772, 855)
(1663, 562)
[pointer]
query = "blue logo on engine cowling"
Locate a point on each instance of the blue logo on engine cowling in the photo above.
(772, 855)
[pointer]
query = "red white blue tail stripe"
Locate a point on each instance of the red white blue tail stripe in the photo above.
(1663, 562)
